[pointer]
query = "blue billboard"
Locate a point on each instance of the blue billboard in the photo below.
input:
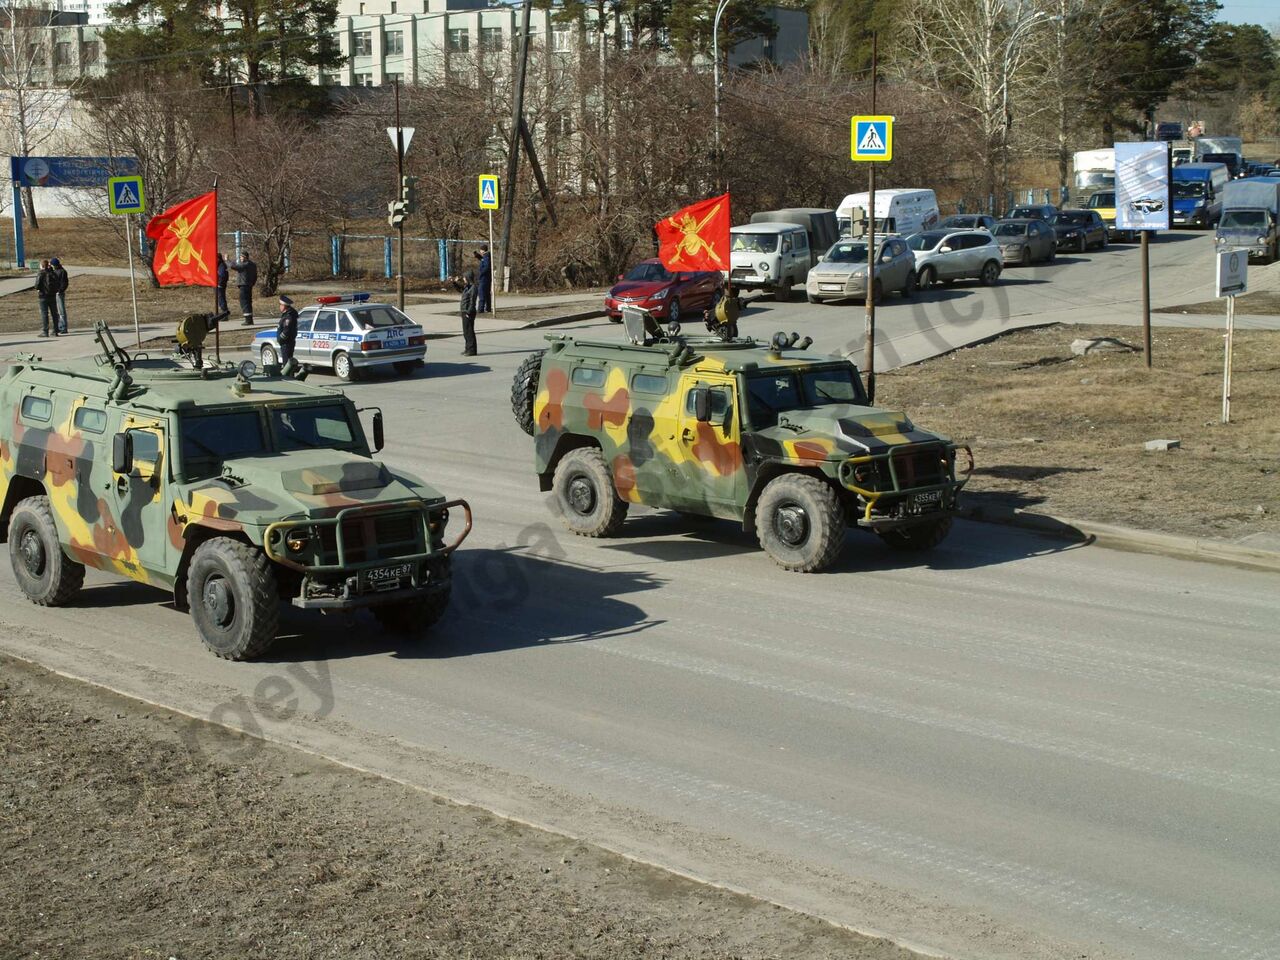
(68, 171)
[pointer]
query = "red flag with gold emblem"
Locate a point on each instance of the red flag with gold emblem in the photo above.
(697, 237)
(186, 243)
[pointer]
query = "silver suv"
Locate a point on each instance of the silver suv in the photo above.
(946, 255)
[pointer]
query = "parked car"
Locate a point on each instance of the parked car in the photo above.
(968, 221)
(350, 334)
(1032, 211)
(1025, 242)
(842, 270)
(946, 255)
(665, 295)
(1079, 230)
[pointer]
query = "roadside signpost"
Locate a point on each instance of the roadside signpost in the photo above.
(400, 139)
(1143, 203)
(871, 141)
(1231, 279)
(126, 197)
(489, 197)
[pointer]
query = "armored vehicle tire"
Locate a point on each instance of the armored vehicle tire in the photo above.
(924, 536)
(342, 367)
(269, 357)
(524, 390)
(799, 523)
(234, 602)
(585, 495)
(44, 573)
(415, 617)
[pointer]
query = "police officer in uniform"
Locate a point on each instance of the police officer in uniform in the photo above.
(286, 329)
(247, 276)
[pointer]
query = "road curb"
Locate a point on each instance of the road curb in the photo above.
(567, 318)
(1126, 538)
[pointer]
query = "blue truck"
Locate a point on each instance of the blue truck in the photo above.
(1197, 194)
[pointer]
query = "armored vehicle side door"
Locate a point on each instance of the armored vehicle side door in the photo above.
(710, 451)
(141, 496)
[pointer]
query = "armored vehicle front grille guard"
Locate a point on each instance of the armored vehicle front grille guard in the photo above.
(904, 471)
(361, 537)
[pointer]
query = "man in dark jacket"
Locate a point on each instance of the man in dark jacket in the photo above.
(467, 308)
(47, 291)
(220, 291)
(484, 281)
(246, 276)
(64, 281)
(287, 329)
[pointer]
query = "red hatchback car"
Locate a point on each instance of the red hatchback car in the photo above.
(666, 295)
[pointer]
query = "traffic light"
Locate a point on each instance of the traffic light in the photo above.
(396, 213)
(409, 193)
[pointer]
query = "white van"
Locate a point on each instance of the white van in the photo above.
(897, 211)
(772, 257)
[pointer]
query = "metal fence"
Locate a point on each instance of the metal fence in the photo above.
(1058, 196)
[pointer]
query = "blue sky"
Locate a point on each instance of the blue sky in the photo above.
(1265, 12)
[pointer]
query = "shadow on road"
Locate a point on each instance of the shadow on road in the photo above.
(503, 599)
(437, 371)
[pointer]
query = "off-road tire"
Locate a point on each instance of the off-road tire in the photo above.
(44, 573)
(234, 599)
(990, 273)
(585, 495)
(269, 357)
(805, 543)
(524, 391)
(415, 617)
(343, 368)
(923, 536)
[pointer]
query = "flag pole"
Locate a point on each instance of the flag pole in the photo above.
(217, 327)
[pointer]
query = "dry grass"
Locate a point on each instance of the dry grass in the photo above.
(91, 298)
(76, 241)
(1262, 303)
(1064, 435)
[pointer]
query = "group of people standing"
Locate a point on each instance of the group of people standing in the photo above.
(51, 288)
(246, 278)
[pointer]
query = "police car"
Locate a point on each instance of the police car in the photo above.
(350, 334)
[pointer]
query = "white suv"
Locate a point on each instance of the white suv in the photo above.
(946, 255)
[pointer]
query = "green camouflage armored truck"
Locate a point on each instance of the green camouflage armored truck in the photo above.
(764, 434)
(234, 491)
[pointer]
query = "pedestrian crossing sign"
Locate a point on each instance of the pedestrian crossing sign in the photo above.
(872, 138)
(488, 191)
(124, 195)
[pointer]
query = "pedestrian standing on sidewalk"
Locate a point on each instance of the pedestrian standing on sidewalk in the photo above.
(63, 282)
(246, 276)
(47, 291)
(220, 290)
(484, 280)
(467, 283)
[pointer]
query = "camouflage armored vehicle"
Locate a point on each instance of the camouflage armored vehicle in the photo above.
(768, 435)
(233, 490)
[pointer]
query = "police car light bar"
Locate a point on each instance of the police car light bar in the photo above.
(344, 298)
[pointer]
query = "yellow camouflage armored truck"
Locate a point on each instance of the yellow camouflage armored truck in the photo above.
(768, 435)
(234, 491)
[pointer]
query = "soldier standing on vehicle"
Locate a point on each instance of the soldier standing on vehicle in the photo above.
(247, 276)
(468, 283)
(220, 290)
(47, 291)
(287, 329)
(721, 315)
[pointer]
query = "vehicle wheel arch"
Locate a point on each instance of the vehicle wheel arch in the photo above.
(20, 488)
(567, 442)
(193, 536)
(771, 471)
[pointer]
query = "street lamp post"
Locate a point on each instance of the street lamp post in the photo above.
(715, 68)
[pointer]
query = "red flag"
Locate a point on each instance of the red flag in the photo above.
(186, 243)
(697, 237)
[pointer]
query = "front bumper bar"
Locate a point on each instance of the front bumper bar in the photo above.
(901, 494)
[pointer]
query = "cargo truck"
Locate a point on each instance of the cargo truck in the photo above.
(1094, 172)
(1250, 210)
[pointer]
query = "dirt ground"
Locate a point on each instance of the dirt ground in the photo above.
(127, 831)
(1264, 302)
(1064, 435)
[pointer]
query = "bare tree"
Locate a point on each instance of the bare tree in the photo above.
(34, 106)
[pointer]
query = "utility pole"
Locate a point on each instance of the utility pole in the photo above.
(869, 353)
(513, 144)
(399, 191)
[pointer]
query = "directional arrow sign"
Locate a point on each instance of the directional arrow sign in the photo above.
(408, 135)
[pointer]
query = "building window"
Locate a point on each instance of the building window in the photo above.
(364, 79)
(459, 38)
(490, 38)
(628, 38)
(562, 125)
(89, 52)
(61, 53)
(362, 43)
(560, 39)
(393, 40)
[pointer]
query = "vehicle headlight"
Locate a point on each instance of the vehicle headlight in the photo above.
(764, 266)
(1071, 233)
(297, 539)
(661, 294)
(1222, 239)
(1262, 239)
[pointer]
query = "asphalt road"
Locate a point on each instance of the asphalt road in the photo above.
(1008, 749)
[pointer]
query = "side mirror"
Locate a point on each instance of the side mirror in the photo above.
(822, 258)
(122, 453)
(702, 404)
(944, 249)
(619, 276)
(379, 433)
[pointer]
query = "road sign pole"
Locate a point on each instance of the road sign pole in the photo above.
(493, 289)
(1226, 363)
(869, 353)
(1146, 297)
(399, 189)
(133, 283)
